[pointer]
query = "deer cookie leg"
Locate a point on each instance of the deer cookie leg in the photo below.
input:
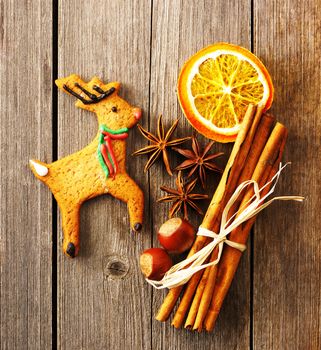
(70, 227)
(125, 188)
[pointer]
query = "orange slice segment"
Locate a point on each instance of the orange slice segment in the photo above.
(217, 84)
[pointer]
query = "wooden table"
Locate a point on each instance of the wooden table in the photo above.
(100, 300)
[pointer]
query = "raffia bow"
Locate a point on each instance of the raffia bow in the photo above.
(181, 273)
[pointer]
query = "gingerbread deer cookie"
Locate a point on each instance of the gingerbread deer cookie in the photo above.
(98, 168)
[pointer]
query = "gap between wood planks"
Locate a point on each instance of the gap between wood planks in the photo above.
(252, 230)
(54, 100)
(149, 187)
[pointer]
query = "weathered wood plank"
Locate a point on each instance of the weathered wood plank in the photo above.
(287, 271)
(98, 308)
(178, 31)
(25, 209)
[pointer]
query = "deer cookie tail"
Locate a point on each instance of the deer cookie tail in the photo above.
(39, 169)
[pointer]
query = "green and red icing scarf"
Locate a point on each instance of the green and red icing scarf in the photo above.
(106, 155)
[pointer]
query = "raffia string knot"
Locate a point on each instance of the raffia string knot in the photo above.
(181, 273)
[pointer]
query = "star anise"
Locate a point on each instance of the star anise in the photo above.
(198, 159)
(182, 196)
(159, 144)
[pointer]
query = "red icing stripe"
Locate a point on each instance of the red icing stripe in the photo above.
(108, 148)
(104, 153)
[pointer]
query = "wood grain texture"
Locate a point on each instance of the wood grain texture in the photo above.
(178, 31)
(103, 301)
(287, 270)
(25, 204)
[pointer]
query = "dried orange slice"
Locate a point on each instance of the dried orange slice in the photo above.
(217, 84)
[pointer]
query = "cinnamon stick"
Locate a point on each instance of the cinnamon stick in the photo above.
(210, 217)
(214, 212)
(196, 301)
(266, 168)
(204, 299)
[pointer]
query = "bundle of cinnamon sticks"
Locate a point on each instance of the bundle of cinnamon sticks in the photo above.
(256, 155)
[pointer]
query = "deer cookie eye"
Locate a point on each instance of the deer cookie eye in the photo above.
(114, 109)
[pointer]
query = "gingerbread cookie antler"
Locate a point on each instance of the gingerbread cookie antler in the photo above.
(98, 168)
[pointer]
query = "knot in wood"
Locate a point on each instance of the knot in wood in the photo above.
(116, 267)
